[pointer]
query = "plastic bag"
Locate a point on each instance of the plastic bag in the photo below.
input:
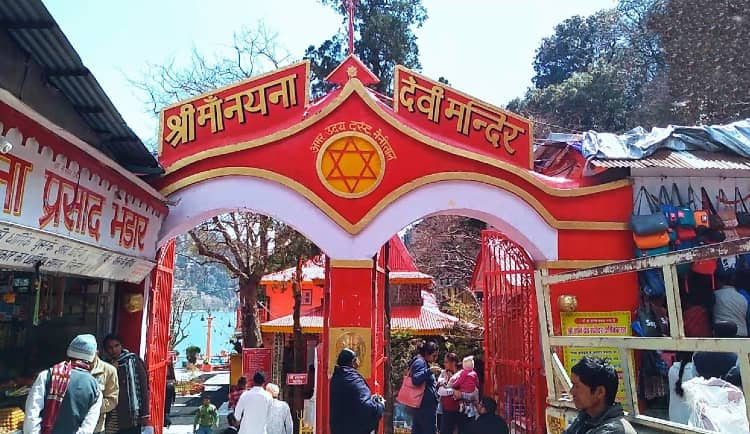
(716, 405)
(147, 430)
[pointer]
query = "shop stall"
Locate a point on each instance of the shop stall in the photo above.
(78, 227)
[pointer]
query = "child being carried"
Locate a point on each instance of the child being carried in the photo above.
(467, 381)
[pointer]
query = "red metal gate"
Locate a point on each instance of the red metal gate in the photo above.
(511, 339)
(157, 338)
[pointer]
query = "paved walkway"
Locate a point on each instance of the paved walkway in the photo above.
(184, 408)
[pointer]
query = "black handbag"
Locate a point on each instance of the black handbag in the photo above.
(647, 224)
(743, 217)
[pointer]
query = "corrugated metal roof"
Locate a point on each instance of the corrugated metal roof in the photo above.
(31, 26)
(680, 160)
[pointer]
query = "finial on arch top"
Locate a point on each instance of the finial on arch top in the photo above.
(350, 68)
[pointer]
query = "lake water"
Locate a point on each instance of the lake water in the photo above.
(221, 332)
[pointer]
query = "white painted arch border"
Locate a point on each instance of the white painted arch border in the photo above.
(499, 208)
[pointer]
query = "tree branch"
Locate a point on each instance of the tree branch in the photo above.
(203, 250)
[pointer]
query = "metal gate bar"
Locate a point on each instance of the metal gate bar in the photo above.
(157, 338)
(511, 338)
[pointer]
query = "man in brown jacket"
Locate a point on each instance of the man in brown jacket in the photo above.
(106, 375)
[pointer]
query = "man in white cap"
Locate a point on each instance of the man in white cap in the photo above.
(65, 399)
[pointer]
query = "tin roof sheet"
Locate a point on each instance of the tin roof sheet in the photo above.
(680, 160)
(32, 27)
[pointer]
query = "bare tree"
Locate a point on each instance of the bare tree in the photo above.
(446, 248)
(252, 52)
(248, 245)
(180, 317)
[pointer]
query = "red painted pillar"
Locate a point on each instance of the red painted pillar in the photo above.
(348, 322)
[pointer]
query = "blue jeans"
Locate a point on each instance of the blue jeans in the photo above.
(204, 430)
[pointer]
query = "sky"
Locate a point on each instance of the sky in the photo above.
(483, 47)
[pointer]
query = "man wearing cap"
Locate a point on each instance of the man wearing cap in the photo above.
(65, 399)
(354, 410)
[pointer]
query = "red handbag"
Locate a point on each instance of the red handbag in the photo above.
(685, 233)
(409, 394)
(707, 267)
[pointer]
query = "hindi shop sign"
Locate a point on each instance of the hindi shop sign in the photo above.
(257, 360)
(235, 114)
(443, 111)
(48, 191)
(296, 379)
(596, 324)
(24, 248)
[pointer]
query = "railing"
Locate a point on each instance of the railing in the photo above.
(626, 345)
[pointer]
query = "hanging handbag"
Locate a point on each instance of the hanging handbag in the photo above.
(714, 220)
(642, 253)
(685, 233)
(728, 215)
(700, 216)
(652, 282)
(684, 245)
(666, 207)
(743, 216)
(685, 216)
(652, 241)
(648, 224)
(706, 267)
(410, 395)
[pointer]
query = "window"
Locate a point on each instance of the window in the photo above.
(306, 296)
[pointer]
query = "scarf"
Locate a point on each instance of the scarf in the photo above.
(127, 361)
(59, 379)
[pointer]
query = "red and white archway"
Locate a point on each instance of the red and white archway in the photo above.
(354, 167)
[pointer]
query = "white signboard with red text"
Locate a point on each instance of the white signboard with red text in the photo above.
(74, 217)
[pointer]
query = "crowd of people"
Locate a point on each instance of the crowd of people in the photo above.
(88, 394)
(257, 410)
(452, 392)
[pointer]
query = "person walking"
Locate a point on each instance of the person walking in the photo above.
(106, 375)
(353, 409)
(253, 407)
(488, 421)
(170, 394)
(421, 373)
(132, 410)
(206, 418)
(66, 399)
(237, 391)
(451, 416)
(280, 417)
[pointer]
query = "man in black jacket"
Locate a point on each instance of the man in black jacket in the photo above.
(353, 409)
(594, 389)
(488, 422)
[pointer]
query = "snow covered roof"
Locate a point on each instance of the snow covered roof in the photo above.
(423, 320)
(400, 262)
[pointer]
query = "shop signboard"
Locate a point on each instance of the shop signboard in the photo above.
(615, 323)
(477, 126)
(296, 379)
(257, 360)
(49, 186)
(241, 112)
(25, 248)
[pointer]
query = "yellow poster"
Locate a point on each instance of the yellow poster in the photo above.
(595, 324)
